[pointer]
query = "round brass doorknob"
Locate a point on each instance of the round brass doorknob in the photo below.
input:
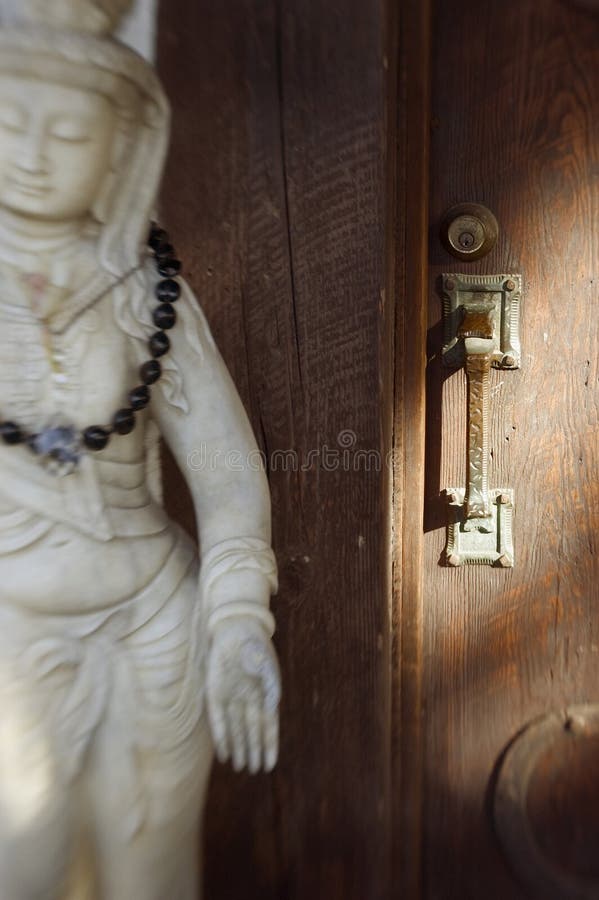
(469, 231)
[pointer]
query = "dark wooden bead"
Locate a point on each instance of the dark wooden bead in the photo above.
(164, 316)
(168, 290)
(157, 237)
(139, 397)
(123, 421)
(159, 344)
(11, 433)
(164, 251)
(95, 437)
(168, 268)
(151, 371)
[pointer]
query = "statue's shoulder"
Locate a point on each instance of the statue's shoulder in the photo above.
(160, 312)
(171, 291)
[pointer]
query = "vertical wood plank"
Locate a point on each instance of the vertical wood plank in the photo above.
(412, 167)
(515, 127)
(276, 194)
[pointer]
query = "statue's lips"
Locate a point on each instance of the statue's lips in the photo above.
(31, 188)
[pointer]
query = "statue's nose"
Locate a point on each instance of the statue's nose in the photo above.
(31, 157)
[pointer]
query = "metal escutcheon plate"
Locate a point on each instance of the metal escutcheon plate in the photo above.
(469, 231)
(482, 542)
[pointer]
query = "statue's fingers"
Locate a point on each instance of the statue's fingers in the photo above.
(253, 725)
(271, 739)
(236, 729)
(218, 727)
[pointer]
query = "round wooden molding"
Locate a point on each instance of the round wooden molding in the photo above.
(523, 778)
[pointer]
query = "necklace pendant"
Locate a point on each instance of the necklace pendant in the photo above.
(59, 448)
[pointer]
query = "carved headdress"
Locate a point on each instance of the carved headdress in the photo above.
(73, 42)
(97, 17)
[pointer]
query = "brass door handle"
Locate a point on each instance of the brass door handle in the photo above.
(481, 319)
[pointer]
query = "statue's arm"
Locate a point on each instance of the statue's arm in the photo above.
(214, 446)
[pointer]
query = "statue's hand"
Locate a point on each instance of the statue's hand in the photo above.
(243, 693)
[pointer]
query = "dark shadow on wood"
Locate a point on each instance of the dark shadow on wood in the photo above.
(437, 373)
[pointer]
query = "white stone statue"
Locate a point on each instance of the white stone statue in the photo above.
(122, 660)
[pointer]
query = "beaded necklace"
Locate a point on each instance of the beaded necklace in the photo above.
(60, 446)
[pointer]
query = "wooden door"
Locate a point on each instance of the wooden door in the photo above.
(515, 126)
(314, 144)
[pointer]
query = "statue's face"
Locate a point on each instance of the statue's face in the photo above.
(55, 148)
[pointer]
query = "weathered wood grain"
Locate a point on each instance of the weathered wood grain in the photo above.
(515, 126)
(276, 196)
(411, 132)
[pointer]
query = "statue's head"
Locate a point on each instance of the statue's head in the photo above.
(56, 148)
(83, 123)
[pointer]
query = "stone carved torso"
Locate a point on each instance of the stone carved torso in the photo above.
(79, 373)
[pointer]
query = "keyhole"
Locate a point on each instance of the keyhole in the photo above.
(466, 239)
(468, 230)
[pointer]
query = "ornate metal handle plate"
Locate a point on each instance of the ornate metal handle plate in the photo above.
(481, 323)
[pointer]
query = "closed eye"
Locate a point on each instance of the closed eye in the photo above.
(12, 118)
(73, 131)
